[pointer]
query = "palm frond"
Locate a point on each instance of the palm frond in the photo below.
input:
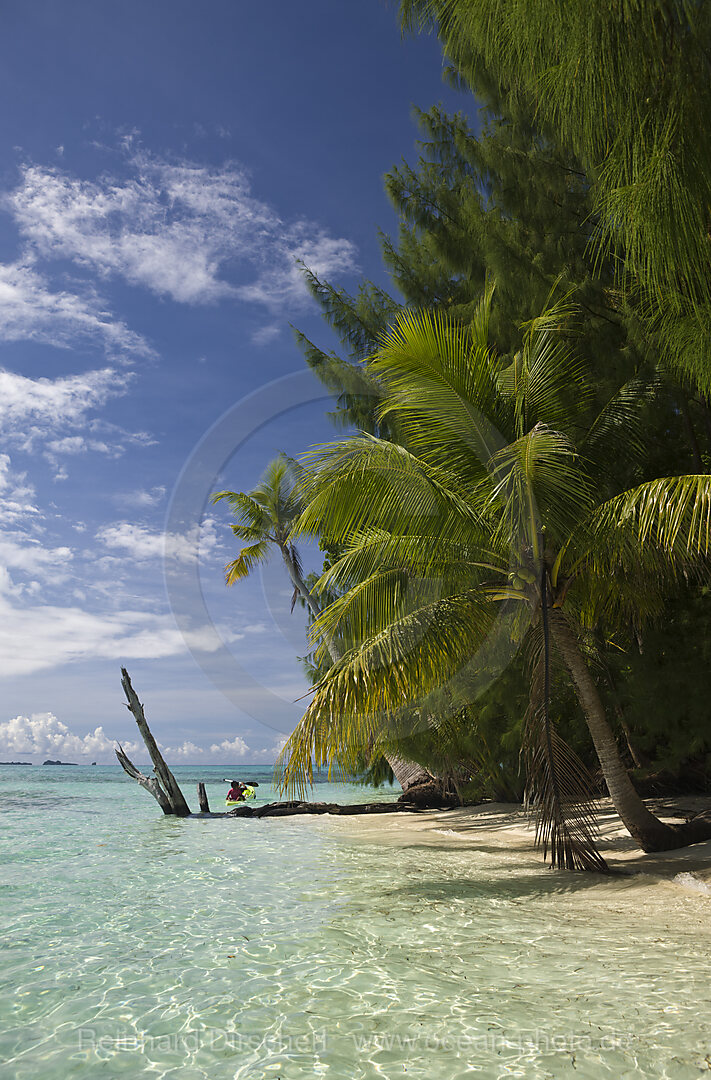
(441, 389)
(365, 482)
(617, 432)
(559, 792)
(421, 553)
(559, 788)
(540, 486)
(668, 517)
(251, 517)
(248, 558)
(357, 699)
(547, 381)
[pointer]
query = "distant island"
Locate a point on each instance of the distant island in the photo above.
(50, 762)
(15, 762)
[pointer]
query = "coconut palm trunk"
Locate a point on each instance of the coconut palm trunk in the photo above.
(650, 833)
(407, 773)
(306, 595)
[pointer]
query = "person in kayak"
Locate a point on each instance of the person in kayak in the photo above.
(236, 792)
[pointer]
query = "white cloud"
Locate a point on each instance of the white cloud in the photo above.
(4, 471)
(15, 495)
(31, 311)
(53, 403)
(236, 747)
(179, 229)
(20, 552)
(42, 735)
(70, 444)
(271, 753)
(35, 637)
(78, 444)
(186, 750)
(33, 410)
(21, 546)
(141, 497)
(280, 284)
(265, 335)
(142, 543)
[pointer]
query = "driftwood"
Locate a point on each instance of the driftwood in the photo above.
(147, 782)
(164, 787)
(291, 807)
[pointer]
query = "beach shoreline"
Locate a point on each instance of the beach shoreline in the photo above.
(508, 827)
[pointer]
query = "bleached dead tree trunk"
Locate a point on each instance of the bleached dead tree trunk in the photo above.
(163, 787)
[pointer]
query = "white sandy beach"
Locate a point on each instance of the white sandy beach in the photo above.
(506, 828)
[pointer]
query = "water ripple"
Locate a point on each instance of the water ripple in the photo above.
(292, 949)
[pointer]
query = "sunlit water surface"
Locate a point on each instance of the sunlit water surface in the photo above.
(137, 945)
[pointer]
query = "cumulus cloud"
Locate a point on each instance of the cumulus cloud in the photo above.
(179, 229)
(42, 735)
(236, 748)
(269, 754)
(143, 543)
(30, 310)
(185, 750)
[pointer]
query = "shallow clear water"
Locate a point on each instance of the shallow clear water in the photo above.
(136, 945)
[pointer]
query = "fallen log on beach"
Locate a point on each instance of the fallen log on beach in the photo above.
(297, 806)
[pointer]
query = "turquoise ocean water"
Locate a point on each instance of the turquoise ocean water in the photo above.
(138, 945)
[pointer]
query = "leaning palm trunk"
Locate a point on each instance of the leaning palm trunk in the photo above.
(650, 833)
(407, 773)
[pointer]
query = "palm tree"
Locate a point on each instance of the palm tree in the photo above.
(265, 518)
(265, 521)
(499, 501)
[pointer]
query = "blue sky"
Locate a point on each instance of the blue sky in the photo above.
(163, 165)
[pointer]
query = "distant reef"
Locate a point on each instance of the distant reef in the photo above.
(50, 762)
(15, 762)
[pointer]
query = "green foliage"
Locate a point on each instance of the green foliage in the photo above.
(514, 204)
(663, 680)
(626, 86)
(265, 517)
(484, 495)
(510, 206)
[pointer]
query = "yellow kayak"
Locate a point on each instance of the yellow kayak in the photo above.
(249, 793)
